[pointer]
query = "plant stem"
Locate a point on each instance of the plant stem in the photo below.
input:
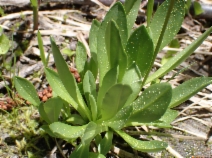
(34, 4)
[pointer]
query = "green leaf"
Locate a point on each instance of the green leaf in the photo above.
(174, 24)
(42, 53)
(93, 39)
(48, 130)
(115, 98)
(76, 119)
(187, 6)
(106, 143)
(66, 110)
(89, 85)
(109, 80)
(81, 58)
(90, 132)
(165, 120)
(98, 139)
(4, 44)
(96, 155)
(65, 131)
(117, 14)
(81, 151)
(26, 90)
(119, 120)
(59, 89)
(51, 109)
(68, 51)
(43, 114)
(132, 77)
(197, 8)
(140, 50)
(115, 51)
(92, 65)
(144, 146)
(151, 104)
(189, 88)
(179, 58)
(131, 9)
(93, 107)
(150, 6)
(69, 81)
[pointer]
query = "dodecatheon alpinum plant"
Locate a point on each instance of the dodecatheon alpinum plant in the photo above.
(109, 98)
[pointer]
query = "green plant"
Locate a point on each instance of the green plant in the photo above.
(35, 8)
(4, 42)
(22, 130)
(123, 58)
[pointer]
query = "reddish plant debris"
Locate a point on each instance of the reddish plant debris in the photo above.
(8, 103)
(45, 94)
(76, 74)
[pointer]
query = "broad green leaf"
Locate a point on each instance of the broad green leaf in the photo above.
(117, 14)
(51, 108)
(81, 151)
(132, 77)
(189, 88)
(93, 107)
(59, 89)
(76, 119)
(119, 120)
(48, 130)
(140, 50)
(43, 114)
(62, 130)
(151, 104)
(89, 85)
(165, 120)
(81, 58)
(26, 90)
(66, 110)
(96, 155)
(4, 44)
(115, 98)
(115, 51)
(90, 132)
(93, 38)
(131, 8)
(109, 80)
(179, 58)
(69, 81)
(92, 63)
(144, 146)
(106, 143)
(98, 139)
(197, 8)
(174, 23)
(42, 53)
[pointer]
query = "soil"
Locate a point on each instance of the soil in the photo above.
(20, 135)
